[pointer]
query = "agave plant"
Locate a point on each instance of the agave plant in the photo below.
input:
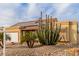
(47, 34)
(29, 38)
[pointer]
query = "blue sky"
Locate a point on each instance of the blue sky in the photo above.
(11, 13)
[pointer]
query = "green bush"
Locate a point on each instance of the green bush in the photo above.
(29, 38)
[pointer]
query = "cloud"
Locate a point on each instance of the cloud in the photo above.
(6, 16)
(7, 13)
(55, 9)
(12, 13)
(33, 10)
(60, 8)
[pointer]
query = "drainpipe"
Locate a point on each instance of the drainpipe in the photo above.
(69, 33)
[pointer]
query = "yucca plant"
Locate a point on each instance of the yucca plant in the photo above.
(47, 34)
(1, 38)
(29, 38)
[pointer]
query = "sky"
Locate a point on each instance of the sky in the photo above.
(12, 13)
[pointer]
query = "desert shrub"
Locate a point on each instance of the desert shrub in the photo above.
(29, 38)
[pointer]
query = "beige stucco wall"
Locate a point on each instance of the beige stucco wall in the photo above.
(14, 30)
(64, 30)
(70, 31)
(73, 32)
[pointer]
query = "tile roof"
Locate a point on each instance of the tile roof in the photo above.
(30, 23)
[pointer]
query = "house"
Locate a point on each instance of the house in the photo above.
(15, 30)
(68, 32)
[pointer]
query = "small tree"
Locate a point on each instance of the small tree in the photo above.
(29, 38)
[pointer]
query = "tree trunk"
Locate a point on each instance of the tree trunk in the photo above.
(1, 45)
(30, 43)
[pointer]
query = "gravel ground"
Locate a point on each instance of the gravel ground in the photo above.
(1, 51)
(38, 50)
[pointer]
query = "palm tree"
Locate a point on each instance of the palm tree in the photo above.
(29, 38)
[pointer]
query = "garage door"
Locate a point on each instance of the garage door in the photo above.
(13, 36)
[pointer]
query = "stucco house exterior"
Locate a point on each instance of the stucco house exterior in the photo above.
(68, 30)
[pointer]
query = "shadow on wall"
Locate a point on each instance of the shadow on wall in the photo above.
(78, 37)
